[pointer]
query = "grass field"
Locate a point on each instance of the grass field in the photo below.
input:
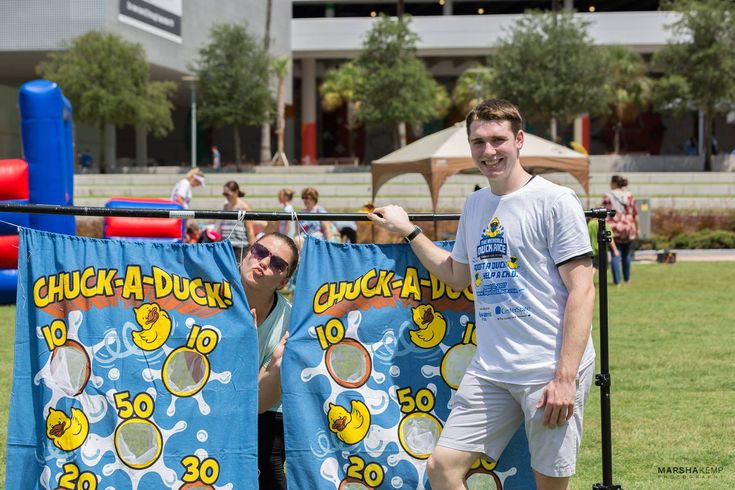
(672, 348)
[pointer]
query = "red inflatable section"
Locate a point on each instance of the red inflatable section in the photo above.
(9, 252)
(14, 178)
(124, 227)
(143, 227)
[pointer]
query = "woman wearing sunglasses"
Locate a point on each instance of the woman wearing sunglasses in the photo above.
(265, 269)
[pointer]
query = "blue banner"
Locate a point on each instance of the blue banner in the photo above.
(135, 367)
(377, 347)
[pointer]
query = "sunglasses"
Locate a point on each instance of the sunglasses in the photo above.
(277, 264)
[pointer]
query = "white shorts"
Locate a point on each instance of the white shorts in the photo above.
(486, 414)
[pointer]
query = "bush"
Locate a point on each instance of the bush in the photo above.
(705, 239)
(670, 223)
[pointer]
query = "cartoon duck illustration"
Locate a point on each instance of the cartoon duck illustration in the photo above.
(493, 229)
(432, 327)
(156, 325)
(478, 279)
(350, 427)
(513, 262)
(67, 433)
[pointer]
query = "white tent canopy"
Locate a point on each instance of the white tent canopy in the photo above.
(447, 152)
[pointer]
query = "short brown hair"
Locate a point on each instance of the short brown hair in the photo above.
(286, 192)
(310, 192)
(495, 110)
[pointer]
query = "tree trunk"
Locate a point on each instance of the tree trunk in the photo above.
(268, 13)
(280, 157)
(552, 129)
(616, 138)
(281, 111)
(351, 127)
(103, 149)
(265, 144)
(401, 134)
(236, 133)
(265, 129)
(401, 8)
(708, 140)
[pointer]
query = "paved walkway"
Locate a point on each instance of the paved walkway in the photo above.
(713, 255)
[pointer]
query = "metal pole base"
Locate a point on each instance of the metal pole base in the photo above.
(602, 486)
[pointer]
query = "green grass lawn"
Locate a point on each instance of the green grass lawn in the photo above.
(672, 349)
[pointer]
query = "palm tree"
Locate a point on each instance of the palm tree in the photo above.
(280, 68)
(338, 89)
(628, 87)
(265, 130)
(472, 87)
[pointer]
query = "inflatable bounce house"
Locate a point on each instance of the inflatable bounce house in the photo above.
(157, 229)
(46, 176)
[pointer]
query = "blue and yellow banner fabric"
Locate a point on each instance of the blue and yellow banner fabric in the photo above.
(135, 367)
(377, 348)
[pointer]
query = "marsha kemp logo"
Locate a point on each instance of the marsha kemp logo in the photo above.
(689, 472)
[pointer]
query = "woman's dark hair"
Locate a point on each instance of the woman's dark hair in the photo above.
(619, 181)
(233, 187)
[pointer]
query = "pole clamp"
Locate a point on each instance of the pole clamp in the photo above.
(602, 380)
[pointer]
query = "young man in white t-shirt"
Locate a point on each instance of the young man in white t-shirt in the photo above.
(523, 245)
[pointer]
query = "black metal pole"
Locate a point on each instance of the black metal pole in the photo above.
(201, 214)
(603, 379)
(211, 214)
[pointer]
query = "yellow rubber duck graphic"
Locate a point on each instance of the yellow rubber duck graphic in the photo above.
(493, 228)
(513, 262)
(432, 327)
(478, 279)
(67, 433)
(156, 325)
(350, 427)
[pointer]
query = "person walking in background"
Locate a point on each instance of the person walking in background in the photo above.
(316, 228)
(593, 227)
(624, 225)
(86, 161)
(182, 191)
(287, 228)
(216, 158)
(240, 235)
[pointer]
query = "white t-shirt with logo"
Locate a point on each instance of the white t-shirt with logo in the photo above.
(514, 244)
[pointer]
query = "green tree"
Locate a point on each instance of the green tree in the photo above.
(627, 87)
(548, 66)
(233, 71)
(699, 62)
(106, 80)
(337, 89)
(397, 87)
(472, 87)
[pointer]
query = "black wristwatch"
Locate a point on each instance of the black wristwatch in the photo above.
(416, 232)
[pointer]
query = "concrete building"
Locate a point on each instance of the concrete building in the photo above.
(317, 35)
(170, 31)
